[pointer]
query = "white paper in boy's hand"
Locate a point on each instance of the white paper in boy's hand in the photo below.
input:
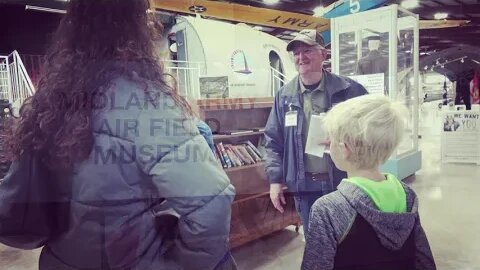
(316, 133)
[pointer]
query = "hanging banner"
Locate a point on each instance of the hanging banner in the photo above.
(460, 137)
(244, 13)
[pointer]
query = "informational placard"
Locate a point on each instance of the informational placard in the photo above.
(214, 87)
(374, 83)
(460, 141)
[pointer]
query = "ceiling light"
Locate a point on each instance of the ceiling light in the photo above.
(60, 11)
(271, 2)
(463, 60)
(440, 15)
(426, 67)
(409, 4)
(319, 11)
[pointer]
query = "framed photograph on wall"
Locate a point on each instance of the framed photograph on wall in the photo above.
(214, 87)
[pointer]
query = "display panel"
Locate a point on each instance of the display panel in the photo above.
(406, 77)
(363, 47)
(379, 49)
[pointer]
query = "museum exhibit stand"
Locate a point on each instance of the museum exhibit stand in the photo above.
(379, 49)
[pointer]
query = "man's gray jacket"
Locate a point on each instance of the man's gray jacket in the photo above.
(284, 146)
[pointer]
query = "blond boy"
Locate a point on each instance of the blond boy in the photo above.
(371, 221)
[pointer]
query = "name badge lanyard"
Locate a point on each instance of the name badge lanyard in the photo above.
(291, 117)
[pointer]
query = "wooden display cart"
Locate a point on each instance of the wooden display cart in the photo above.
(253, 214)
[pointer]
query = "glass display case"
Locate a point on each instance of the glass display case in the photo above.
(379, 49)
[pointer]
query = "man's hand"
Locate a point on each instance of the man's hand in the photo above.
(326, 143)
(276, 195)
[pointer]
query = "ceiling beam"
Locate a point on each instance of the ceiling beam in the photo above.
(473, 41)
(284, 6)
(464, 30)
(452, 35)
(453, 10)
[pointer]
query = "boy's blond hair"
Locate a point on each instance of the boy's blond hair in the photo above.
(372, 126)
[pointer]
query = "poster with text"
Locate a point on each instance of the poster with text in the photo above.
(460, 137)
(374, 83)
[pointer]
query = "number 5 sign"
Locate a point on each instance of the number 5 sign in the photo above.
(345, 7)
(354, 6)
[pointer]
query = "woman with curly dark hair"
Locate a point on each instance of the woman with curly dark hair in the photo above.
(138, 185)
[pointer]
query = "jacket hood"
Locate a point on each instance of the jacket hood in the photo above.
(393, 229)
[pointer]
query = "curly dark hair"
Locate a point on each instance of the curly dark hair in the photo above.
(96, 42)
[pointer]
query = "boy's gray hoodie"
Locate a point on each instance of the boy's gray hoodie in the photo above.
(333, 215)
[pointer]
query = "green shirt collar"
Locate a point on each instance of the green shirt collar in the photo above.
(388, 195)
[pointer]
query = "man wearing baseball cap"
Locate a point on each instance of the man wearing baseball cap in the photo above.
(312, 92)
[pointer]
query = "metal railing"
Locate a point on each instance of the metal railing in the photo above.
(187, 77)
(277, 80)
(33, 64)
(4, 79)
(15, 84)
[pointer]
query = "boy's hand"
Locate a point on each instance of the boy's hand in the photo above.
(277, 197)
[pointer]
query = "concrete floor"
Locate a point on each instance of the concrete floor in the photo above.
(449, 212)
(449, 209)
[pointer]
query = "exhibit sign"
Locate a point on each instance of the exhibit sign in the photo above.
(374, 83)
(460, 137)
